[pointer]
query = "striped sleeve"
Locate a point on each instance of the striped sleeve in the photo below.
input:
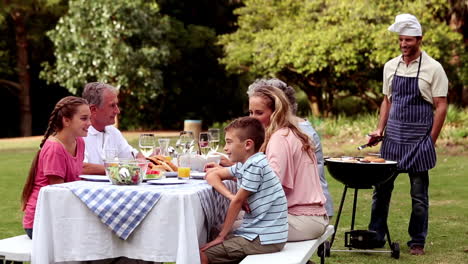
(252, 178)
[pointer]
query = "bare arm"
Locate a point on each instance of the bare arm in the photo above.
(215, 178)
(440, 104)
(93, 169)
(234, 208)
(384, 111)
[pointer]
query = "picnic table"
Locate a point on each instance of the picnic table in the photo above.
(67, 229)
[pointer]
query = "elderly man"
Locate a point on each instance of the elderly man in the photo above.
(103, 139)
(412, 114)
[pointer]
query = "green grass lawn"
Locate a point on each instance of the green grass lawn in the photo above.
(448, 232)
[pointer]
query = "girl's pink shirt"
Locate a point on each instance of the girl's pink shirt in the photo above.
(54, 159)
(297, 172)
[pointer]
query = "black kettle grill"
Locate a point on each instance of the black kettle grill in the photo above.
(361, 175)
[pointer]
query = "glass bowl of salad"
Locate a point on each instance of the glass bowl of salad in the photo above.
(126, 172)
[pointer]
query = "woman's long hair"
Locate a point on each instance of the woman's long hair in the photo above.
(66, 107)
(281, 117)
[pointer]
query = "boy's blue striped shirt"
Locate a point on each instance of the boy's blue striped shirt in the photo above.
(269, 209)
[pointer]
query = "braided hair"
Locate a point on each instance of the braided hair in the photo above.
(66, 107)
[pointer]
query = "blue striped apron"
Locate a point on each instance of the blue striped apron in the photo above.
(408, 132)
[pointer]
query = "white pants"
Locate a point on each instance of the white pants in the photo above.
(306, 227)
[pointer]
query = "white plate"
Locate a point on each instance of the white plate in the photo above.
(197, 175)
(167, 181)
(97, 178)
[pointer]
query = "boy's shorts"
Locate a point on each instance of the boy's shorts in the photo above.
(236, 248)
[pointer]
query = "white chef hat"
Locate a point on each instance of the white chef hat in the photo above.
(407, 25)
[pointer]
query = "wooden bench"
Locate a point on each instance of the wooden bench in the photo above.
(293, 252)
(16, 248)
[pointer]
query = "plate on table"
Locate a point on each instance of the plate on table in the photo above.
(197, 175)
(96, 178)
(167, 181)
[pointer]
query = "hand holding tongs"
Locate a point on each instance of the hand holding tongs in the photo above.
(373, 140)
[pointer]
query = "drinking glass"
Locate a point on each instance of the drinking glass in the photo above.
(185, 141)
(214, 139)
(163, 146)
(110, 154)
(204, 142)
(183, 171)
(147, 143)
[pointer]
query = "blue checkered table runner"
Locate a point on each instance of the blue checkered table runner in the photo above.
(121, 208)
(215, 205)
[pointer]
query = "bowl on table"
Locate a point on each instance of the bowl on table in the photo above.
(126, 172)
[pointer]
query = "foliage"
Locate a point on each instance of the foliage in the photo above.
(23, 45)
(163, 67)
(123, 43)
(331, 48)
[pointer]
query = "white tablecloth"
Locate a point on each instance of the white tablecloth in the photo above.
(66, 230)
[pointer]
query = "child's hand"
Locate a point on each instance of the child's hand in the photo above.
(225, 162)
(246, 207)
(210, 166)
(216, 241)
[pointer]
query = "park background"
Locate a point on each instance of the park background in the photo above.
(174, 60)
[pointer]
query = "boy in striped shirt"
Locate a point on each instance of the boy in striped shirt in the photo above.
(264, 228)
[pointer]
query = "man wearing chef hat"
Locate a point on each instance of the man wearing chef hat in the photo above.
(411, 115)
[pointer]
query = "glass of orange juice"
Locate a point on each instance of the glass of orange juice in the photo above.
(183, 171)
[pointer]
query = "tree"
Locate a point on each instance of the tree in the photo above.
(23, 23)
(123, 43)
(330, 48)
(165, 68)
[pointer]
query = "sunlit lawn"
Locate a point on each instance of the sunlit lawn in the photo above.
(448, 231)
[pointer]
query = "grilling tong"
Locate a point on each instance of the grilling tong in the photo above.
(372, 141)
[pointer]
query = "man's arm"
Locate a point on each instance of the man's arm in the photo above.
(234, 208)
(215, 178)
(93, 169)
(440, 104)
(383, 117)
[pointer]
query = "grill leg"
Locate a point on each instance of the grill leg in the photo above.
(354, 208)
(337, 221)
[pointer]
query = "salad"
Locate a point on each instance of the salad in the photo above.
(124, 174)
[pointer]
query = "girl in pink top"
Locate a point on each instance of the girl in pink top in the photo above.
(61, 154)
(291, 155)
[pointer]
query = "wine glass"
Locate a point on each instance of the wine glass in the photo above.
(214, 139)
(204, 142)
(146, 143)
(185, 141)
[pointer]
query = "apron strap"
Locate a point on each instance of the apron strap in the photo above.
(419, 66)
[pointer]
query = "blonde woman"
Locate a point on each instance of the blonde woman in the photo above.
(291, 155)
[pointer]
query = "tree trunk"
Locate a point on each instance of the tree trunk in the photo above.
(23, 72)
(314, 106)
